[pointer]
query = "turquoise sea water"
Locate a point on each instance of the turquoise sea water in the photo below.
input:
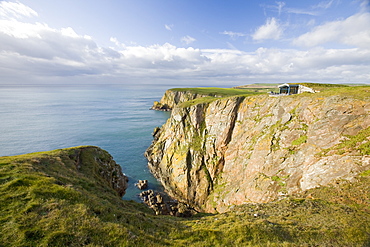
(115, 118)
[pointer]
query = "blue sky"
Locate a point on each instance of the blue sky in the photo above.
(210, 42)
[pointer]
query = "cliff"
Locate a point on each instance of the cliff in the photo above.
(98, 164)
(63, 197)
(84, 162)
(171, 98)
(66, 198)
(176, 96)
(213, 154)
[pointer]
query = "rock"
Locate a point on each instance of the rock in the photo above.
(162, 204)
(103, 162)
(256, 149)
(156, 131)
(142, 184)
(173, 97)
(160, 107)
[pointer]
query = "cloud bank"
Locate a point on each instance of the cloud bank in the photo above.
(35, 52)
(353, 31)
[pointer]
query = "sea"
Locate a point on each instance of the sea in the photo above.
(117, 118)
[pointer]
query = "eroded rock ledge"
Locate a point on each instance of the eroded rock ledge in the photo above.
(162, 204)
(98, 163)
(89, 161)
(173, 97)
(239, 150)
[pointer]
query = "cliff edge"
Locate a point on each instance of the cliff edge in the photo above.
(176, 96)
(216, 153)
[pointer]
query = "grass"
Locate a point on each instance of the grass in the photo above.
(211, 93)
(267, 87)
(321, 86)
(300, 140)
(59, 198)
(209, 99)
(289, 222)
(45, 200)
(342, 91)
(359, 143)
(214, 91)
(202, 100)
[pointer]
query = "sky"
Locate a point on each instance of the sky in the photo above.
(208, 42)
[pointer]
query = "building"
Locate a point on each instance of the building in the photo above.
(288, 89)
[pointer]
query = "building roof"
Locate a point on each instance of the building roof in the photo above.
(288, 85)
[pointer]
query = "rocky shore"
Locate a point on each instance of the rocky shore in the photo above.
(162, 204)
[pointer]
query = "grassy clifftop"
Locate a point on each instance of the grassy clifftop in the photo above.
(61, 198)
(209, 94)
(46, 200)
(214, 91)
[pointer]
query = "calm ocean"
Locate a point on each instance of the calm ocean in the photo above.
(115, 118)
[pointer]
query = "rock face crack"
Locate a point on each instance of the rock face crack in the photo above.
(188, 175)
(233, 117)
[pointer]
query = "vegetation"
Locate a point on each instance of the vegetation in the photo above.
(211, 94)
(300, 140)
(359, 143)
(342, 91)
(267, 87)
(321, 86)
(202, 100)
(45, 200)
(214, 91)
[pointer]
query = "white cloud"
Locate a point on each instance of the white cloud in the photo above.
(301, 11)
(280, 7)
(69, 32)
(168, 27)
(365, 5)
(311, 22)
(187, 40)
(232, 34)
(116, 42)
(15, 10)
(22, 30)
(271, 30)
(35, 51)
(323, 5)
(353, 31)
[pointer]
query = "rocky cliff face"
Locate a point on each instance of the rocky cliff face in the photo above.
(256, 149)
(173, 97)
(98, 164)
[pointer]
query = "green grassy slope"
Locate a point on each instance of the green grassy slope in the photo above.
(213, 93)
(46, 201)
(329, 216)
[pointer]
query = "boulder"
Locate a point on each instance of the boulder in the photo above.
(162, 204)
(142, 184)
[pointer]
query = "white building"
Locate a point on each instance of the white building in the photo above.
(288, 89)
